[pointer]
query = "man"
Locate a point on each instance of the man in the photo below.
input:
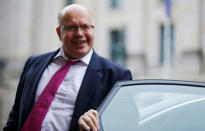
(83, 88)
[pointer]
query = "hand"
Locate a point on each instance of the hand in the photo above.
(89, 121)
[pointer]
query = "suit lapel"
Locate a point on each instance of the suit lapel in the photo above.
(40, 67)
(91, 81)
(35, 76)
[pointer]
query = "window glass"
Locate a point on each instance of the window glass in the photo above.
(117, 46)
(156, 107)
(162, 43)
(68, 2)
(115, 3)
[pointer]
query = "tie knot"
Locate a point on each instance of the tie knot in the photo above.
(69, 62)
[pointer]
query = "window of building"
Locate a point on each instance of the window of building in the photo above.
(117, 46)
(68, 2)
(2, 67)
(115, 3)
(162, 1)
(162, 44)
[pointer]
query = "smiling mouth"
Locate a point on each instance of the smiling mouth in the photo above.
(79, 42)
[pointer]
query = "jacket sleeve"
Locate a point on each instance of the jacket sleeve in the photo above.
(126, 76)
(13, 119)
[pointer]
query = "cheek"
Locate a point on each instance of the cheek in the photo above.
(66, 38)
(90, 37)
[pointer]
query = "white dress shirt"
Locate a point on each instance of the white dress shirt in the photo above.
(59, 115)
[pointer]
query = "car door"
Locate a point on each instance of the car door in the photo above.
(154, 105)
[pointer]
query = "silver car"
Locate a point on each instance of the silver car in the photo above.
(154, 105)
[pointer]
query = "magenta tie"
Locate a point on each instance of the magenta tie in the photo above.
(38, 112)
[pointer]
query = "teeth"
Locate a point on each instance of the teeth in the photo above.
(79, 42)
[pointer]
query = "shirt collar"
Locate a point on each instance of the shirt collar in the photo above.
(86, 59)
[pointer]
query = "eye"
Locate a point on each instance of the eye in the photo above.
(86, 27)
(71, 28)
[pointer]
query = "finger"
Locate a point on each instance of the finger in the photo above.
(94, 112)
(82, 124)
(95, 118)
(89, 122)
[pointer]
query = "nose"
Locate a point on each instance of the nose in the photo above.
(79, 32)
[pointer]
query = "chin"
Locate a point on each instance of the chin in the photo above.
(81, 54)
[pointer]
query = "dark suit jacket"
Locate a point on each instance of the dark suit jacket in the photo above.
(99, 78)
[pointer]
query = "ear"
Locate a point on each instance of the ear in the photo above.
(59, 32)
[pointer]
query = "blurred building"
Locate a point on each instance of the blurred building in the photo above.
(27, 28)
(130, 32)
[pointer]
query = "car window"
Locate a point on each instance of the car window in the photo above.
(174, 106)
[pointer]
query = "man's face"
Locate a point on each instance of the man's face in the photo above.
(76, 43)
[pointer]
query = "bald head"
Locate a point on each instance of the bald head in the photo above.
(79, 38)
(71, 10)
